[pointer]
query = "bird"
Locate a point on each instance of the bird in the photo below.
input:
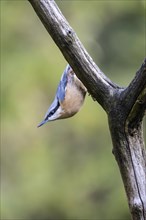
(69, 97)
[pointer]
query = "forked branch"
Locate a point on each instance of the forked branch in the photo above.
(125, 107)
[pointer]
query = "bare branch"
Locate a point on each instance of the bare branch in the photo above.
(138, 111)
(125, 107)
(97, 84)
(135, 96)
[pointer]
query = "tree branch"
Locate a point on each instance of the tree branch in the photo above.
(98, 85)
(125, 107)
(135, 97)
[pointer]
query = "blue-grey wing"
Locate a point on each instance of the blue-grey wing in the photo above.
(62, 85)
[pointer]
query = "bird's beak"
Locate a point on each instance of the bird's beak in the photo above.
(42, 123)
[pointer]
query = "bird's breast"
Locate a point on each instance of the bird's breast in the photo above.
(73, 101)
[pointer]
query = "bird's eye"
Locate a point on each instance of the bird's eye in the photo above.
(52, 112)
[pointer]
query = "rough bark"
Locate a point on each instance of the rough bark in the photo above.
(125, 107)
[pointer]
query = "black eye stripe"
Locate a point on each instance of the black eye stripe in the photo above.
(52, 111)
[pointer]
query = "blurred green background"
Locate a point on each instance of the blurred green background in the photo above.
(64, 170)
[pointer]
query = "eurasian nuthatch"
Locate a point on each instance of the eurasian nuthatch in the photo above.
(69, 97)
